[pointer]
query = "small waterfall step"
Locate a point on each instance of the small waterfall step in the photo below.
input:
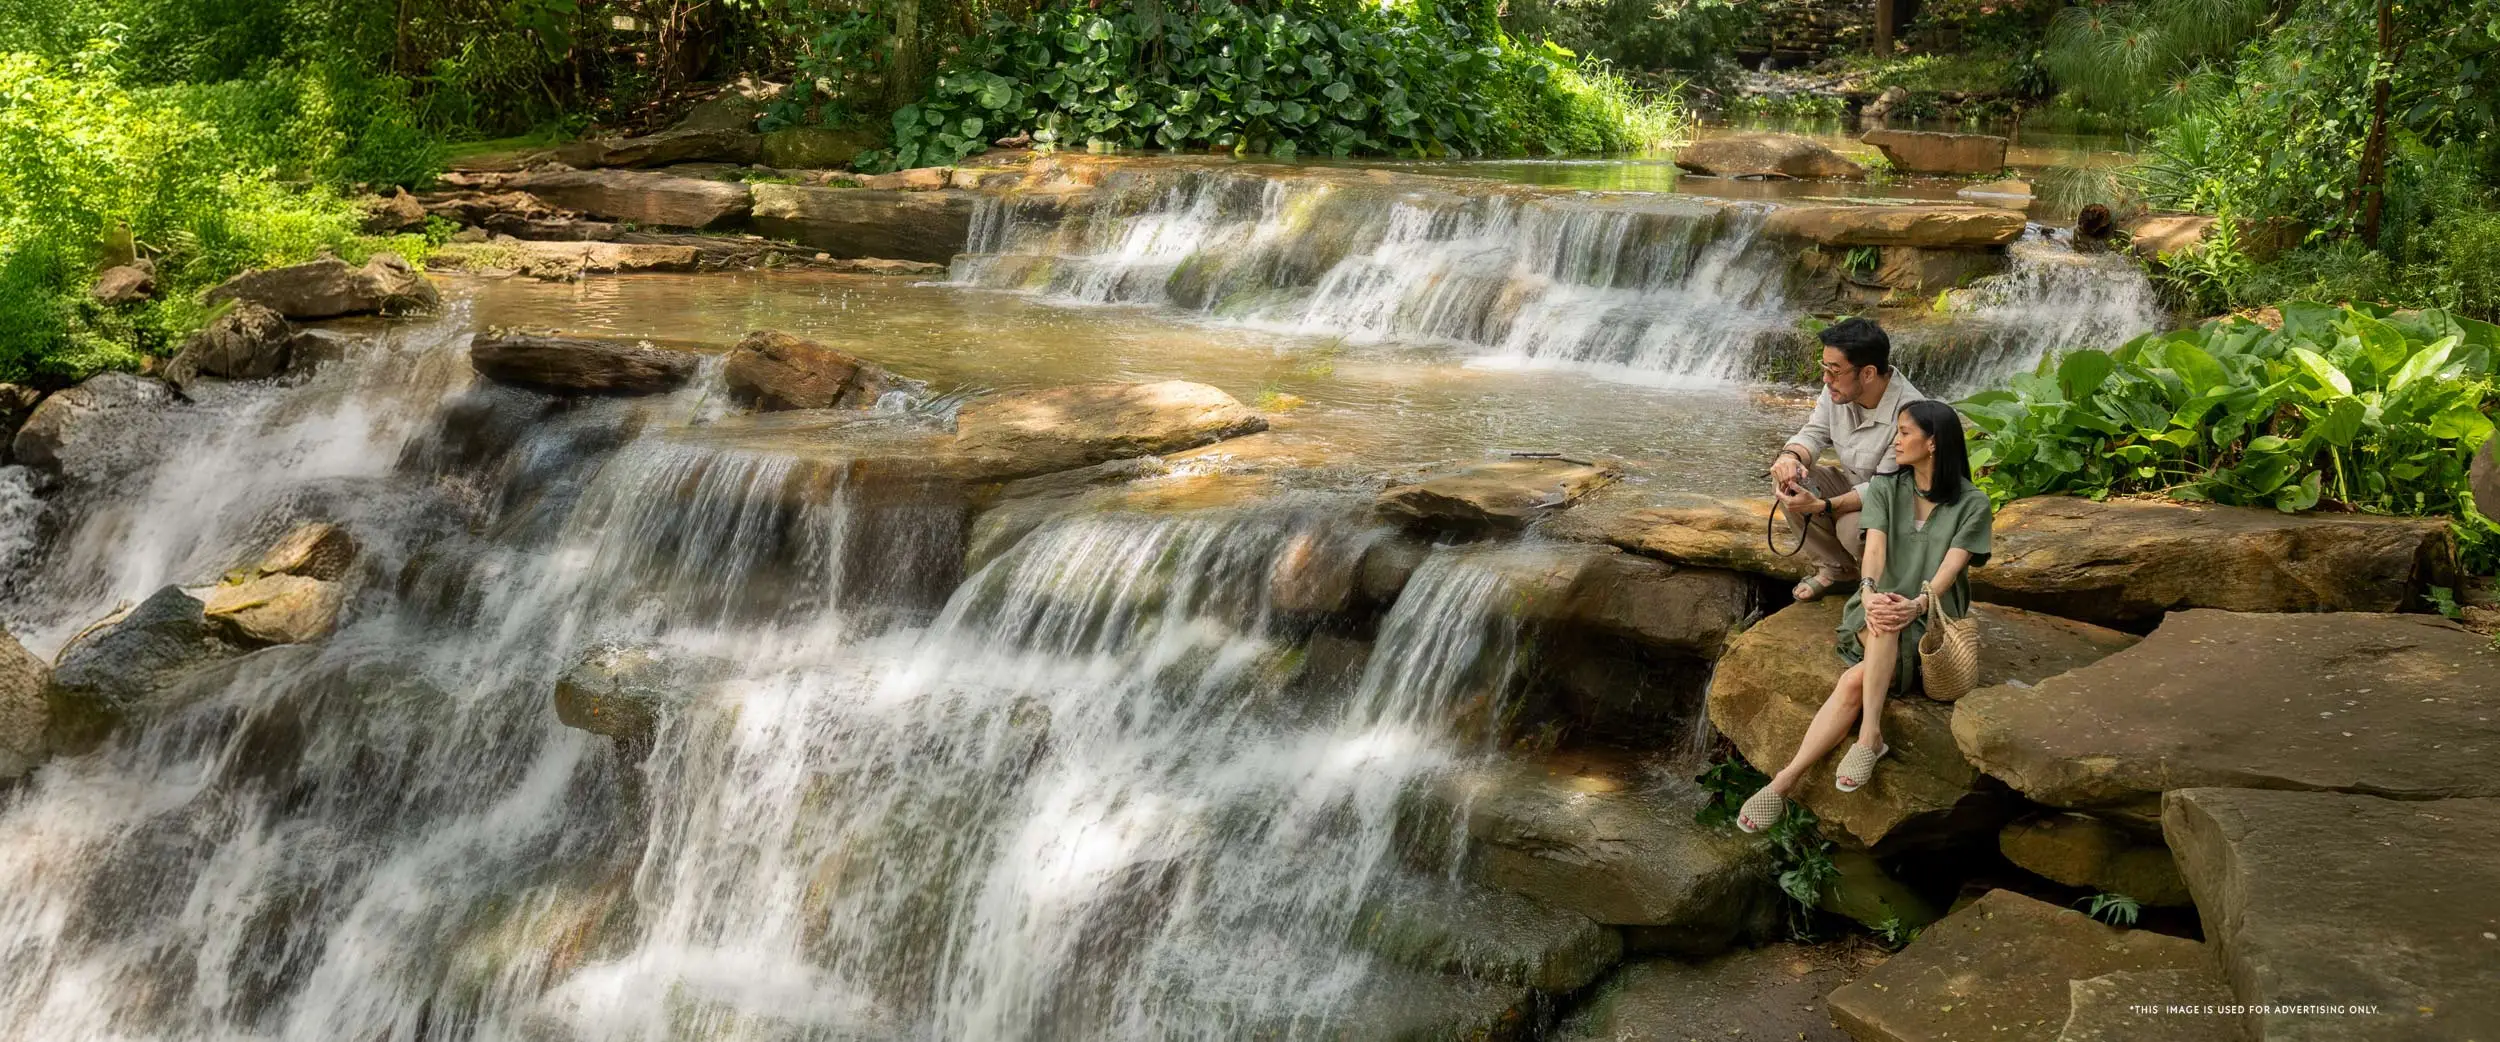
(1457, 926)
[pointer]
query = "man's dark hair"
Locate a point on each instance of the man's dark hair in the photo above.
(1862, 342)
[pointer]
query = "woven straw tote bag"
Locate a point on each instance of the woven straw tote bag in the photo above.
(1948, 653)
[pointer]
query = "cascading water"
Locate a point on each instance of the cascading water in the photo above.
(1100, 792)
(1648, 287)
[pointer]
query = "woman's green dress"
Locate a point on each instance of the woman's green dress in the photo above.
(1913, 552)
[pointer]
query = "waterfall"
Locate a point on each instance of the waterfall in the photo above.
(1653, 288)
(1099, 789)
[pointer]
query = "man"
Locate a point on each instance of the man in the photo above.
(1855, 419)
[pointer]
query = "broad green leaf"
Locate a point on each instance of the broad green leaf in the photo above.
(2321, 370)
(2080, 373)
(2194, 366)
(2292, 499)
(2339, 422)
(2424, 362)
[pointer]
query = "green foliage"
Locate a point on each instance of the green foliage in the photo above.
(1799, 851)
(2379, 412)
(1685, 35)
(1226, 75)
(2114, 909)
(207, 179)
(2120, 55)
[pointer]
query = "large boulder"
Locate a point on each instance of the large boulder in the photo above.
(1496, 496)
(110, 670)
(1934, 152)
(124, 285)
(1414, 1007)
(274, 609)
(1061, 428)
(1615, 848)
(314, 550)
(2345, 917)
(2113, 1008)
(395, 212)
(1774, 992)
(2125, 562)
(2001, 969)
(1765, 155)
(23, 712)
(775, 370)
(2484, 478)
(248, 342)
(2394, 705)
(571, 365)
(1776, 675)
(85, 415)
(1932, 226)
(1448, 926)
(2162, 237)
(1687, 529)
(716, 134)
(2082, 850)
(1691, 611)
(643, 197)
(330, 287)
(862, 222)
(817, 148)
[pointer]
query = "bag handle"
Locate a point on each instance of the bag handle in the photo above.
(1935, 604)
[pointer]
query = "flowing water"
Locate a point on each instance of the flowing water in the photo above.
(1111, 784)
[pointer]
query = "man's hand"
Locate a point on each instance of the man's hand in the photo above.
(1798, 502)
(1786, 471)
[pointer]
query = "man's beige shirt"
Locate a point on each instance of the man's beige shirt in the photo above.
(1861, 437)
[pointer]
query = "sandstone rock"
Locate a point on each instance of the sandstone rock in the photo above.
(2155, 236)
(1926, 272)
(568, 365)
(2394, 705)
(1765, 155)
(505, 162)
(1999, 969)
(643, 197)
(2014, 195)
(719, 130)
(817, 148)
(84, 414)
(123, 285)
(2342, 900)
(860, 222)
(1772, 993)
(23, 713)
(2140, 1006)
(1062, 428)
(775, 370)
(395, 212)
(248, 342)
(108, 671)
(16, 403)
(625, 692)
(2125, 562)
(328, 288)
(274, 609)
(1689, 610)
(1491, 497)
(2484, 478)
(1687, 529)
(314, 550)
(1931, 152)
(1455, 927)
(1417, 1008)
(566, 260)
(1935, 227)
(2081, 850)
(1777, 674)
(986, 180)
(923, 179)
(1615, 849)
(1864, 892)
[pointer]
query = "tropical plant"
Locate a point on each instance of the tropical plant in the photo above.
(2373, 411)
(1802, 857)
(2114, 909)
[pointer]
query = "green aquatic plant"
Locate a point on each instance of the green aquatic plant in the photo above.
(2375, 411)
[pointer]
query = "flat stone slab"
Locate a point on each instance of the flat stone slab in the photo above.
(1769, 994)
(1598, 839)
(1935, 152)
(1999, 970)
(641, 196)
(1776, 675)
(1493, 496)
(1769, 155)
(867, 222)
(1941, 227)
(2323, 901)
(2151, 1006)
(1452, 926)
(2125, 562)
(1684, 528)
(1062, 428)
(2403, 706)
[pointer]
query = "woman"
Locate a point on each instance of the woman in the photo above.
(1926, 525)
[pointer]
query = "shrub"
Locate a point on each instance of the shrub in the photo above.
(2379, 412)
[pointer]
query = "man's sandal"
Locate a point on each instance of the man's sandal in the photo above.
(1813, 587)
(1858, 767)
(1761, 811)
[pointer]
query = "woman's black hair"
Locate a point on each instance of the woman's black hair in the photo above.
(1952, 466)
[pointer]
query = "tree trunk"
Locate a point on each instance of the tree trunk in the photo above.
(1885, 12)
(2371, 192)
(903, 63)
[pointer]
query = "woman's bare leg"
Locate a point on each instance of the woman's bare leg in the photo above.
(1883, 658)
(1831, 723)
